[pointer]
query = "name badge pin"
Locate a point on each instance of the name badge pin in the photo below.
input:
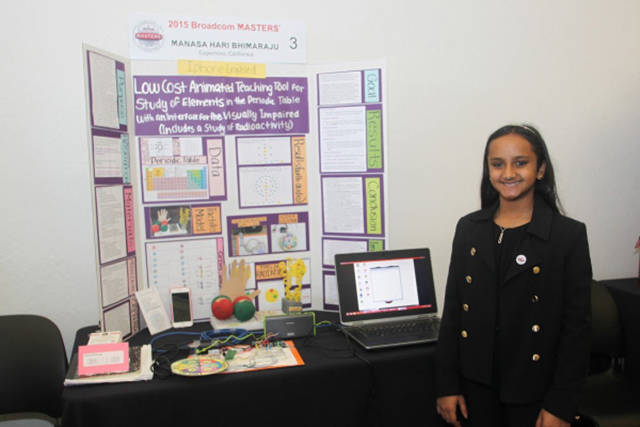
(521, 259)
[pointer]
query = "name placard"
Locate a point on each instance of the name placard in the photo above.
(103, 358)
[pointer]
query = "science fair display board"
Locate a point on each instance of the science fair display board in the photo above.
(112, 189)
(262, 159)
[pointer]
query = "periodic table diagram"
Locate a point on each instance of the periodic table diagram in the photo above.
(176, 169)
(164, 183)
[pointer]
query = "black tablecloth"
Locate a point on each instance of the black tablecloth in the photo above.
(340, 384)
(626, 294)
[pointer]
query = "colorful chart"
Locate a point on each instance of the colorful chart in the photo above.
(198, 366)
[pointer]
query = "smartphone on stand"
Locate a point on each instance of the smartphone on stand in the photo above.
(181, 307)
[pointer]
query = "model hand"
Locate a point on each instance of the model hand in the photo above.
(547, 419)
(447, 407)
(162, 215)
(235, 281)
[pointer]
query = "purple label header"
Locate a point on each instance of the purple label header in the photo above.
(203, 105)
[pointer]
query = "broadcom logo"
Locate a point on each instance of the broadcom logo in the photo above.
(148, 35)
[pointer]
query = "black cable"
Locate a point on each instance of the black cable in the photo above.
(161, 367)
(167, 354)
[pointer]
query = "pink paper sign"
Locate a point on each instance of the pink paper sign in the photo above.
(129, 221)
(103, 358)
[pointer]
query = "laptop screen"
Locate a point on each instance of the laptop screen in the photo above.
(385, 284)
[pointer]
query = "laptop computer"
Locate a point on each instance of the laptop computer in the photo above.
(387, 298)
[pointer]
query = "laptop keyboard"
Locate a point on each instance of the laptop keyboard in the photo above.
(401, 329)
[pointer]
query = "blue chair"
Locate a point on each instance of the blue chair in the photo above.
(33, 365)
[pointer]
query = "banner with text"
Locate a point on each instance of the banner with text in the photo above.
(179, 105)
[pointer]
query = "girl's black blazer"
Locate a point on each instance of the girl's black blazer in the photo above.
(541, 312)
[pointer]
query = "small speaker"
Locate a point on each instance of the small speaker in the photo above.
(291, 326)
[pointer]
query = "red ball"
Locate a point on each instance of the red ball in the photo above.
(155, 228)
(222, 307)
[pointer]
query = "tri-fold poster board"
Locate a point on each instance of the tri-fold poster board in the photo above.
(196, 163)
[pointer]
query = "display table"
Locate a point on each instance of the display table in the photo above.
(626, 294)
(340, 384)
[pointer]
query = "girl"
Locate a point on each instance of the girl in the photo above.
(513, 347)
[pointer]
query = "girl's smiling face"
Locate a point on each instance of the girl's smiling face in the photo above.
(513, 167)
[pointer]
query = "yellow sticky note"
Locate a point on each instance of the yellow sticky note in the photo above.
(223, 69)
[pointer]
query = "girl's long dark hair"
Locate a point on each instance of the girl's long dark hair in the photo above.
(546, 187)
